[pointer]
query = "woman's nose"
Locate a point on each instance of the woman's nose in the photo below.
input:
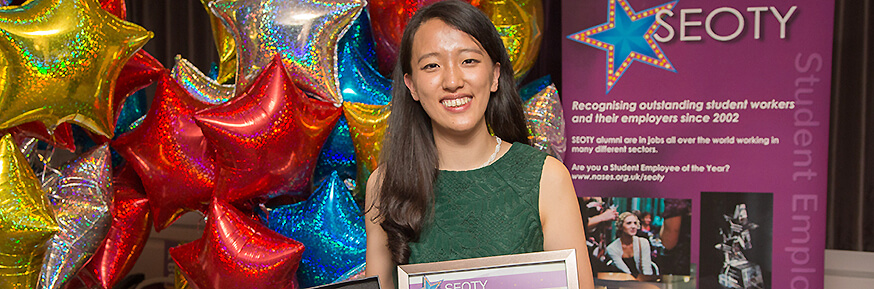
(452, 79)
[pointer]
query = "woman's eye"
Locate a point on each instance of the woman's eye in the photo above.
(430, 66)
(469, 61)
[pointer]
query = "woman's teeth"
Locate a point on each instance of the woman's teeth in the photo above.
(456, 102)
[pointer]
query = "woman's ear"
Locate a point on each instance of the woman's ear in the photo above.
(408, 81)
(496, 74)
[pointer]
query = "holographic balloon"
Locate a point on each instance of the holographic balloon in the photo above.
(179, 280)
(267, 139)
(200, 86)
(337, 155)
(303, 32)
(520, 24)
(533, 88)
(131, 225)
(5, 2)
(224, 43)
(358, 39)
(546, 122)
(61, 61)
(367, 125)
(26, 219)
(355, 273)
(116, 7)
(81, 199)
(171, 155)
(391, 19)
(361, 83)
(139, 72)
(62, 136)
(238, 252)
(331, 227)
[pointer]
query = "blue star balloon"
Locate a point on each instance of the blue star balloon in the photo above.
(331, 227)
(533, 88)
(358, 39)
(337, 156)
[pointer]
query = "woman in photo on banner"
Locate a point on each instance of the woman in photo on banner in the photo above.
(457, 177)
(630, 253)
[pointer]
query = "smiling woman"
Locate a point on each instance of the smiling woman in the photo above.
(457, 178)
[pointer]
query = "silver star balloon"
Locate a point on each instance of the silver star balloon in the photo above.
(200, 86)
(546, 122)
(81, 199)
(303, 32)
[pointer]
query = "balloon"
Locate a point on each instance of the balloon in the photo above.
(61, 61)
(331, 227)
(81, 199)
(358, 39)
(545, 119)
(62, 136)
(131, 225)
(139, 72)
(116, 7)
(179, 280)
(367, 125)
(303, 32)
(337, 155)
(520, 24)
(355, 273)
(361, 83)
(200, 86)
(224, 43)
(533, 88)
(238, 252)
(267, 139)
(171, 155)
(387, 30)
(26, 220)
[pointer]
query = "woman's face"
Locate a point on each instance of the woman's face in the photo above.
(647, 220)
(630, 225)
(452, 76)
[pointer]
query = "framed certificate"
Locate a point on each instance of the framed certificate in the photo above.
(541, 270)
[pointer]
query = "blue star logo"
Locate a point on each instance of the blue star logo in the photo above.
(429, 285)
(627, 36)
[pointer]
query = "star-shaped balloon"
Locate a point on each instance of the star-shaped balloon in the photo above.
(61, 137)
(131, 225)
(358, 39)
(361, 83)
(267, 139)
(224, 43)
(26, 219)
(531, 89)
(171, 155)
(200, 86)
(337, 155)
(545, 119)
(367, 124)
(61, 61)
(81, 200)
(391, 19)
(331, 227)
(627, 36)
(520, 24)
(303, 32)
(238, 252)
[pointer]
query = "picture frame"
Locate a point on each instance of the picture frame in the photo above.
(548, 269)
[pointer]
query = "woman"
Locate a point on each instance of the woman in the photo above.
(446, 188)
(630, 253)
(647, 229)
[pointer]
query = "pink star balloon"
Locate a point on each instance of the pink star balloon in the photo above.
(171, 155)
(268, 138)
(238, 252)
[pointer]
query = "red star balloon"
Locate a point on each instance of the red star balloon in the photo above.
(268, 138)
(390, 18)
(170, 154)
(116, 7)
(62, 137)
(237, 252)
(131, 225)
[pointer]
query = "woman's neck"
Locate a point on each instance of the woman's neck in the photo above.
(464, 151)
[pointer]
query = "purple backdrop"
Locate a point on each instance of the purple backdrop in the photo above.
(792, 72)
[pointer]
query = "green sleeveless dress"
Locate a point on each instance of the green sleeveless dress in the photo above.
(485, 212)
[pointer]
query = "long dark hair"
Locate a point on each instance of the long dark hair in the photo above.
(409, 157)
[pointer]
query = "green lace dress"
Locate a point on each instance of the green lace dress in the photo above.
(485, 212)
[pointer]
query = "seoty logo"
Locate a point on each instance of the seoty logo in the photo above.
(430, 285)
(628, 35)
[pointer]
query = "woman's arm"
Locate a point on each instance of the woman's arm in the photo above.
(560, 217)
(645, 257)
(379, 261)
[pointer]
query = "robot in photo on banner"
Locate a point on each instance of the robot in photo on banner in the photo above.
(737, 271)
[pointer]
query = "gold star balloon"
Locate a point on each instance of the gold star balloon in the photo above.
(26, 220)
(224, 43)
(200, 86)
(519, 22)
(367, 125)
(60, 60)
(303, 32)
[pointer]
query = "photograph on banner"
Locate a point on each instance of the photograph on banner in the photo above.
(736, 240)
(637, 238)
